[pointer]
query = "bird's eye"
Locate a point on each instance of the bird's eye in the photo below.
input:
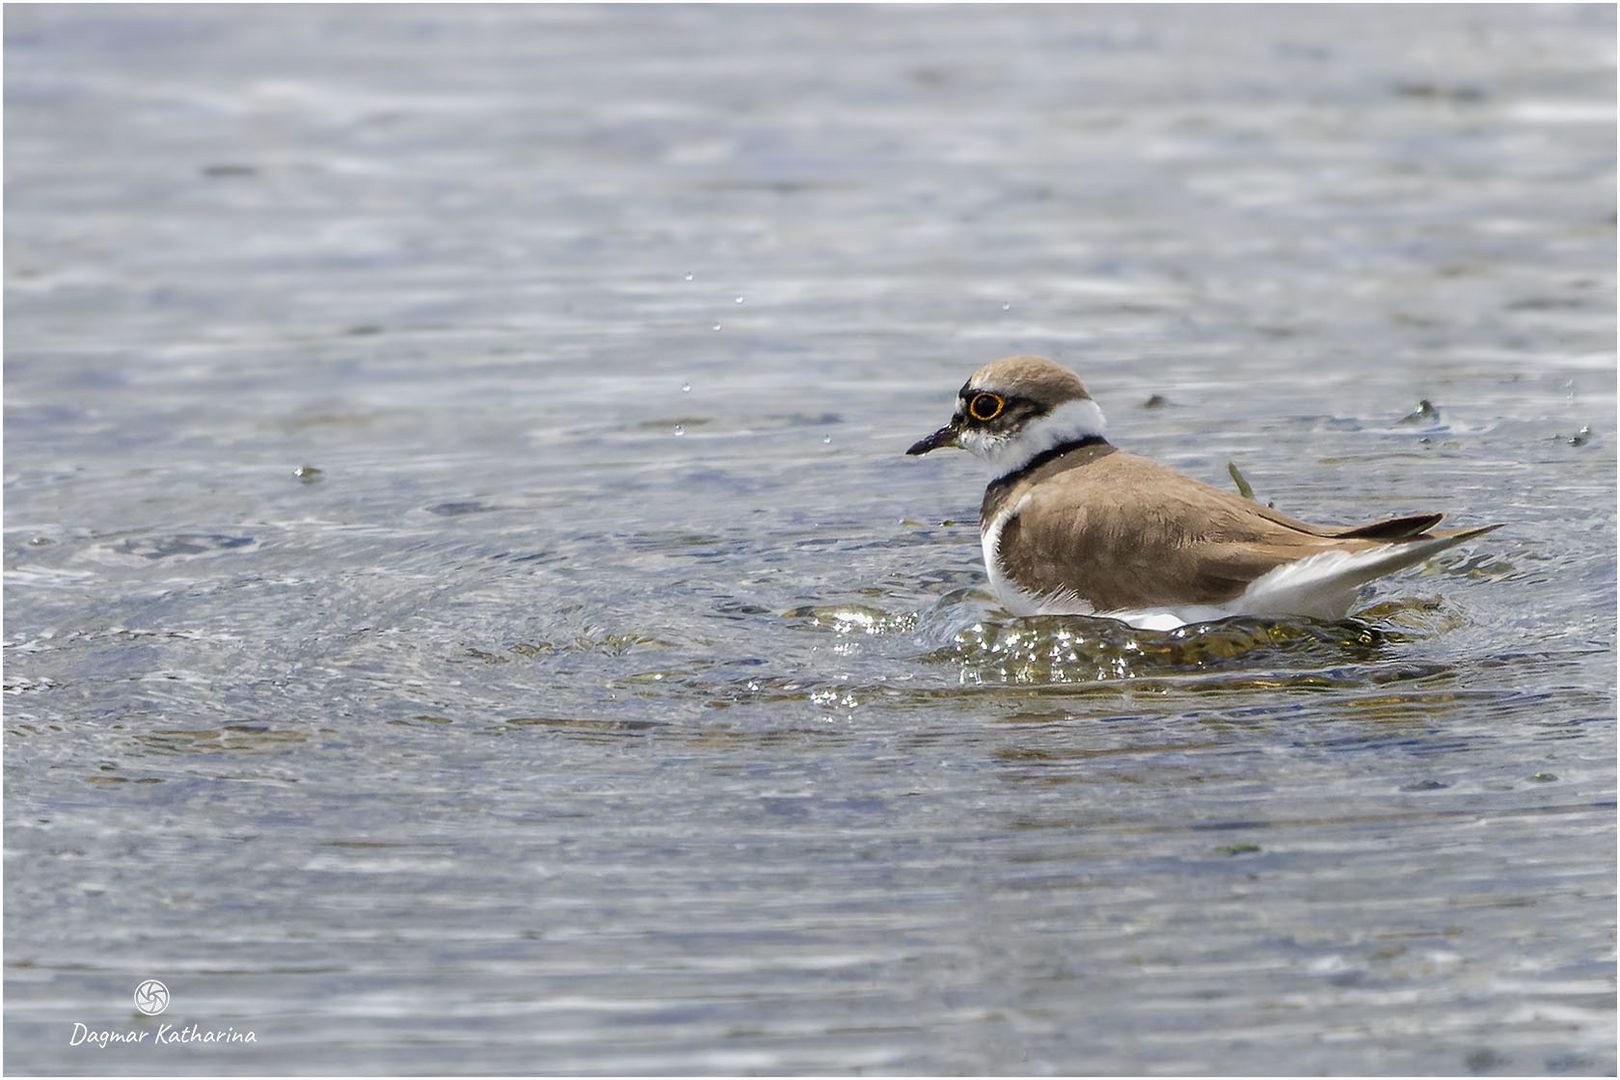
(985, 407)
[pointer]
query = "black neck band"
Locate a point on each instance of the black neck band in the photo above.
(1008, 479)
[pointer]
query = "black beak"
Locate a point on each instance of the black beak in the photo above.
(945, 436)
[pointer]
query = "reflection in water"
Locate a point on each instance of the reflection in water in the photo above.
(1062, 650)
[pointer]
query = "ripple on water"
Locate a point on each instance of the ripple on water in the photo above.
(853, 619)
(1070, 653)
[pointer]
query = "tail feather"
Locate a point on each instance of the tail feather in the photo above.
(1467, 533)
(1324, 586)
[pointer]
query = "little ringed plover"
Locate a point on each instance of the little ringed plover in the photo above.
(1072, 525)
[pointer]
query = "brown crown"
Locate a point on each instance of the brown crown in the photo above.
(1032, 377)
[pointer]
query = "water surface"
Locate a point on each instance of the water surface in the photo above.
(467, 609)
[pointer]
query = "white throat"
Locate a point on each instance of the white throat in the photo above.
(1068, 422)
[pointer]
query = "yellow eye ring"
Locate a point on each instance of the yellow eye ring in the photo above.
(984, 407)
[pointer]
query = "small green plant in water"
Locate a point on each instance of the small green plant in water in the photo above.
(1237, 478)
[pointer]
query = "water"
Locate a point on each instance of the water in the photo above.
(387, 678)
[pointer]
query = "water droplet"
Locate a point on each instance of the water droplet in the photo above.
(680, 429)
(717, 326)
(827, 440)
(738, 300)
(688, 277)
(686, 388)
(1006, 307)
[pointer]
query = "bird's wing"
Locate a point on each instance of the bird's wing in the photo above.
(1125, 533)
(1401, 528)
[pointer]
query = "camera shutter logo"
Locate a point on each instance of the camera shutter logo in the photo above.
(151, 997)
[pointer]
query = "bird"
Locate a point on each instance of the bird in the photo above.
(1072, 525)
